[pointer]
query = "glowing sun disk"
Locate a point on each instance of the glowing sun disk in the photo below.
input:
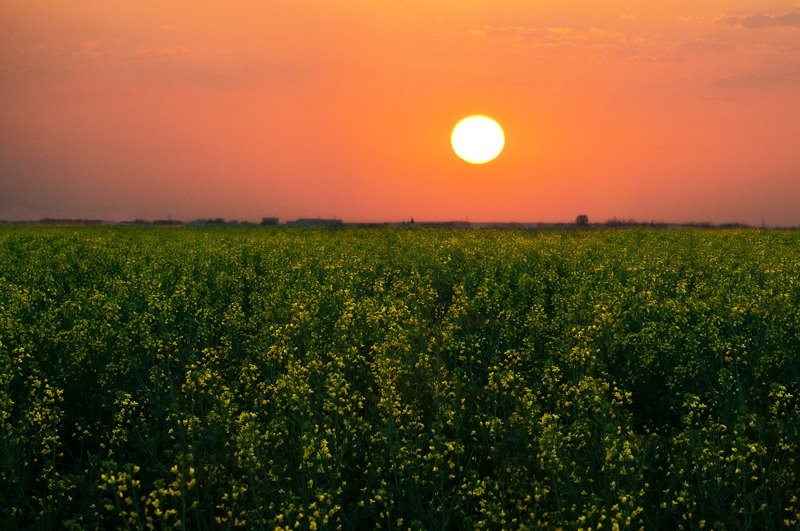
(477, 139)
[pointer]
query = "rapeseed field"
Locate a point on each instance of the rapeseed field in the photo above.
(213, 378)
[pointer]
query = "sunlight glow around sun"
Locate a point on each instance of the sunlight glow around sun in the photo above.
(477, 139)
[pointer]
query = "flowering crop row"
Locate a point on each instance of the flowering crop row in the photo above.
(392, 378)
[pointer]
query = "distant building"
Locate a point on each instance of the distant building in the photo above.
(269, 221)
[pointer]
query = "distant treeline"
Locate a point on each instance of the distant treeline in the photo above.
(333, 222)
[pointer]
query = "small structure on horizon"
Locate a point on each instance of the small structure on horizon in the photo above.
(269, 221)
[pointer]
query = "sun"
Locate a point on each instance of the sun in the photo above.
(477, 139)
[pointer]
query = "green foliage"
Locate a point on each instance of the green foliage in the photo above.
(199, 378)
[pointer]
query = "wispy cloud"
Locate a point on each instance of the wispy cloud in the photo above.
(704, 46)
(94, 49)
(787, 20)
(154, 52)
(562, 39)
(600, 43)
(759, 81)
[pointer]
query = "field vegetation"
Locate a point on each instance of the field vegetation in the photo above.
(199, 378)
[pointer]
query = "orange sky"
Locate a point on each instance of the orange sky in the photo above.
(675, 111)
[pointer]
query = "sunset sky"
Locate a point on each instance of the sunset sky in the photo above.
(671, 111)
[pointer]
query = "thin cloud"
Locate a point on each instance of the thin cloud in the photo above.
(704, 46)
(596, 42)
(155, 52)
(555, 39)
(788, 20)
(760, 81)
